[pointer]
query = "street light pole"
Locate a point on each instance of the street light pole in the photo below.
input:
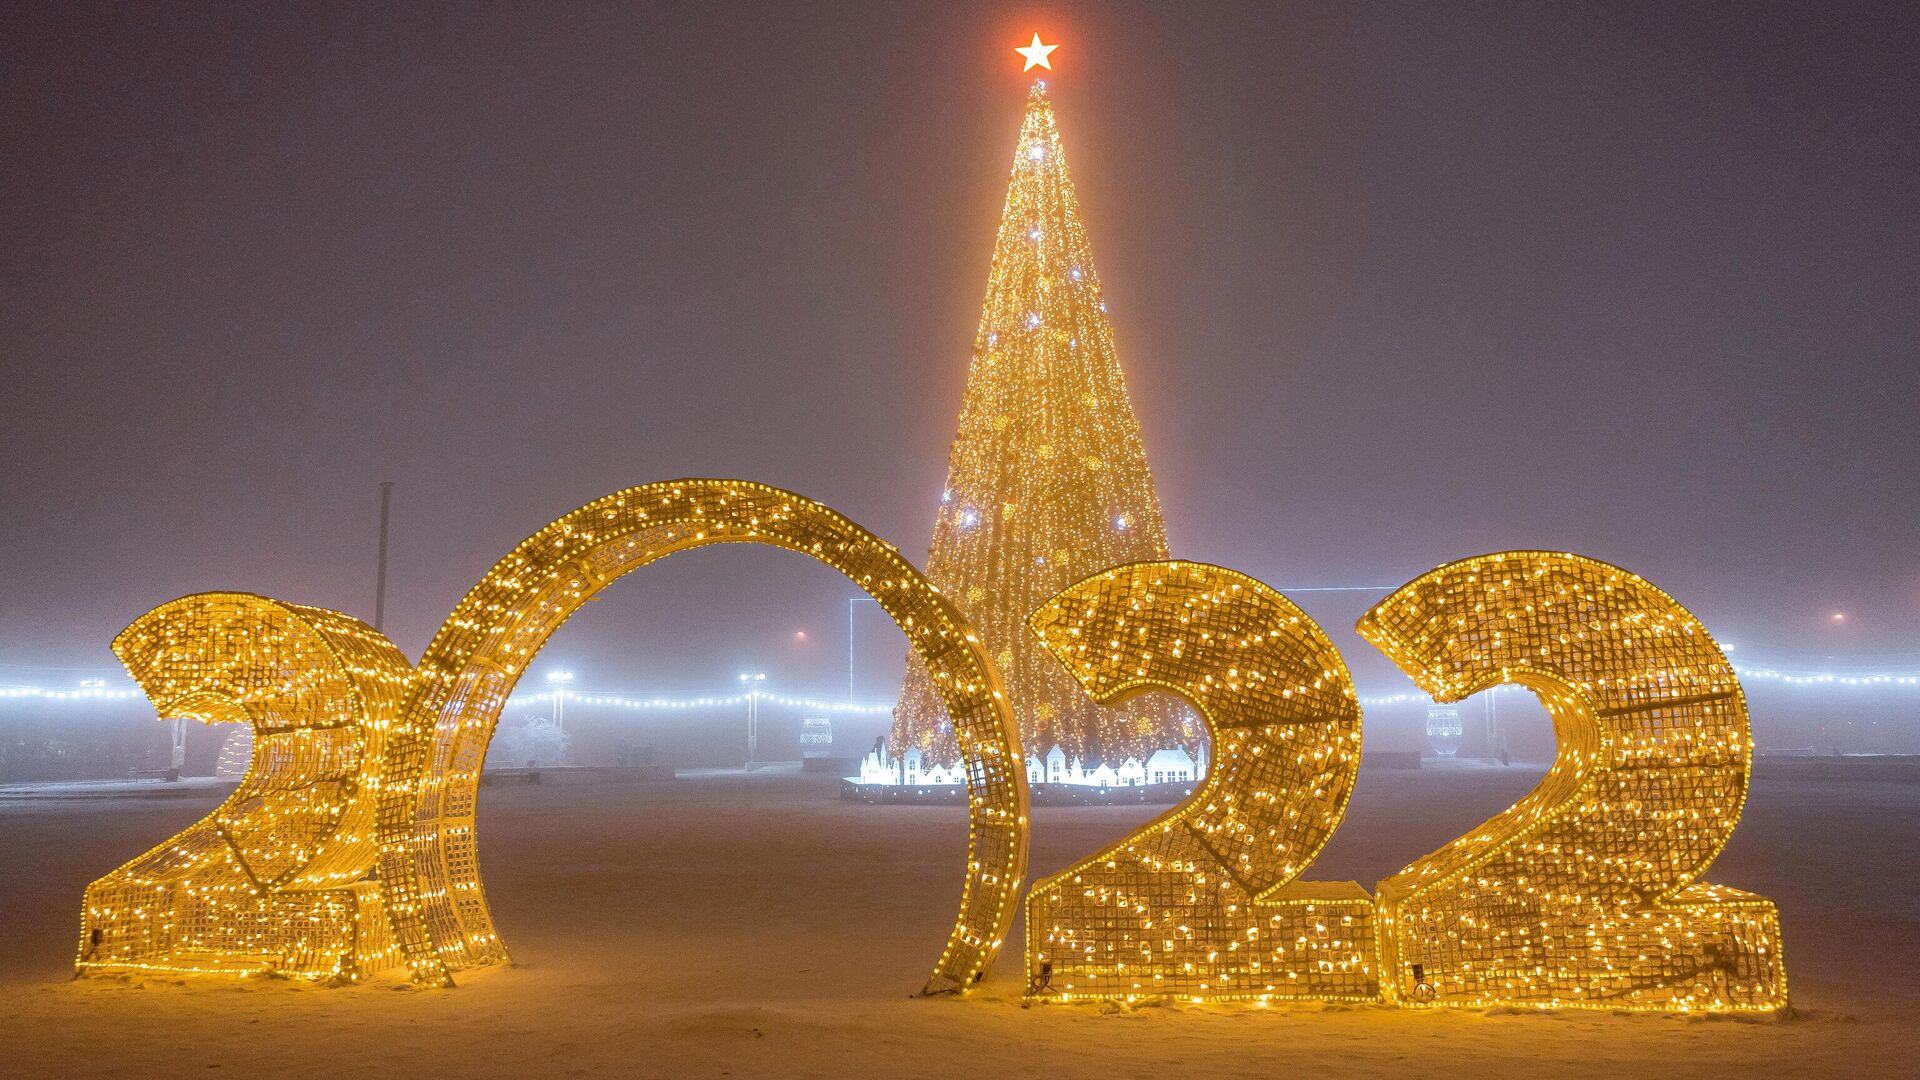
(380, 574)
(753, 714)
(559, 680)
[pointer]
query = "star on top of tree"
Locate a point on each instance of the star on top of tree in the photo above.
(1036, 54)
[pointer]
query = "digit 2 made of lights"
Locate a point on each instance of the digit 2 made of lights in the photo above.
(276, 878)
(1588, 891)
(352, 840)
(1204, 903)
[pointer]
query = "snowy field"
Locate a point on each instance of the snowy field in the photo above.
(755, 926)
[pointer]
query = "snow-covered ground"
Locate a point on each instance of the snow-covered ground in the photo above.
(756, 926)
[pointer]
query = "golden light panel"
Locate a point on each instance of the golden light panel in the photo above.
(1047, 480)
(1205, 902)
(1588, 892)
(276, 879)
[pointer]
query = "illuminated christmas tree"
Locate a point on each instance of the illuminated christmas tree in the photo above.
(1047, 481)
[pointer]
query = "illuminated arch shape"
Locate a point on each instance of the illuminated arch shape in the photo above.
(1205, 903)
(1587, 892)
(275, 880)
(429, 853)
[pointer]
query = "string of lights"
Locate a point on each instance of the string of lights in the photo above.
(97, 690)
(627, 702)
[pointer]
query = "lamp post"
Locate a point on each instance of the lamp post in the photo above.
(559, 680)
(380, 574)
(749, 681)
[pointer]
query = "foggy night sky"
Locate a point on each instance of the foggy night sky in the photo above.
(1393, 285)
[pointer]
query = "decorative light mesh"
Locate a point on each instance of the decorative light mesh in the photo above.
(1047, 481)
(276, 878)
(1586, 892)
(1204, 902)
(427, 814)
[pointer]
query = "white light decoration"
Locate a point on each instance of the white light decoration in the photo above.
(1756, 674)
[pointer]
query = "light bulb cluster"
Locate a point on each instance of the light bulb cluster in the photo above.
(1047, 480)
(1587, 893)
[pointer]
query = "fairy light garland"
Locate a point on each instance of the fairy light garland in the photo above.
(623, 701)
(633, 701)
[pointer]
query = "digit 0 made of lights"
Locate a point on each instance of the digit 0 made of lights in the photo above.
(351, 843)
(1204, 903)
(428, 836)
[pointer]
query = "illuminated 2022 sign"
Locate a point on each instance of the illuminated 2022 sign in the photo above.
(350, 846)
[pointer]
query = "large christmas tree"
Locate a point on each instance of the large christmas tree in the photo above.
(1047, 482)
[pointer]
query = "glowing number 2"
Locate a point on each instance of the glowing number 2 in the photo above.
(1587, 891)
(276, 878)
(1204, 903)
